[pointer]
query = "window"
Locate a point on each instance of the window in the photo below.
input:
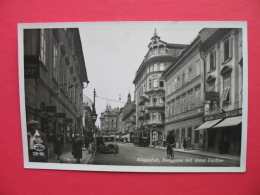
(226, 89)
(161, 66)
(150, 83)
(169, 89)
(55, 62)
(154, 116)
(161, 99)
(212, 87)
(197, 68)
(151, 68)
(178, 83)
(190, 74)
(43, 47)
(155, 67)
(161, 83)
(154, 99)
(226, 50)
(197, 98)
(155, 83)
(212, 61)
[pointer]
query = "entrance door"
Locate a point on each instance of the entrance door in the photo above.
(225, 135)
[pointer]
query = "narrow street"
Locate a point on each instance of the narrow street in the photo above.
(146, 156)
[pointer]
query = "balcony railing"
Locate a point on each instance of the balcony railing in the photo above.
(154, 105)
(154, 89)
(154, 122)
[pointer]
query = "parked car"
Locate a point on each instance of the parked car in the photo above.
(107, 144)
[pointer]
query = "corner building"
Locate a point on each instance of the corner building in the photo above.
(150, 87)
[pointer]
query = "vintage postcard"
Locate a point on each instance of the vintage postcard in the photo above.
(134, 96)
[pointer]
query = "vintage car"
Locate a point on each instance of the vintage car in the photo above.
(107, 144)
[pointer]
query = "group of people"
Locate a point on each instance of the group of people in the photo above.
(38, 145)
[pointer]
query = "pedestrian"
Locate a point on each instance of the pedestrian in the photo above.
(185, 144)
(188, 144)
(77, 148)
(164, 142)
(58, 145)
(37, 142)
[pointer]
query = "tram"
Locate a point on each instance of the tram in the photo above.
(141, 138)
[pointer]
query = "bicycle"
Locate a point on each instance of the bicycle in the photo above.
(170, 151)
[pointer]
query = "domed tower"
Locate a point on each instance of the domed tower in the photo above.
(150, 86)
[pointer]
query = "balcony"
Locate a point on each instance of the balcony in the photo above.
(154, 89)
(154, 122)
(154, 105)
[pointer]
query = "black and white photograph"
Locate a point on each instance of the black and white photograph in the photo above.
(134, 96)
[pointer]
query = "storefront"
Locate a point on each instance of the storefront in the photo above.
(223, 135)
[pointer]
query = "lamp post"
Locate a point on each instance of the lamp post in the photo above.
(94, 118)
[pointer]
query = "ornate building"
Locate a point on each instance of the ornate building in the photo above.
(109, 121)
(150, 86)
(55, 74)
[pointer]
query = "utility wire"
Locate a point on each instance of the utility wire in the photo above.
(111, 100)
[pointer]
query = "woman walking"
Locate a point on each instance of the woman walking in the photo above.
(77, 148)
(58, 144)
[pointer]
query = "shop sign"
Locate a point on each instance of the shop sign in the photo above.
(31, 67)
(212, 96)
(224, 115)
(61, 115)
(52, 109)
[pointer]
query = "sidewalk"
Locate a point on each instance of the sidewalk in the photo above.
(68, 158)
(204, 153)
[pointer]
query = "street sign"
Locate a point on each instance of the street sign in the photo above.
(31, 67)
(212, 95)
(61, 115)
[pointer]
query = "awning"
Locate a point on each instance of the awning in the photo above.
(230, 122)
(208, 124)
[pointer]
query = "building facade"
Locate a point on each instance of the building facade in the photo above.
(150, 87)
(128, 120)
(222, 53)
(55, 74)
(109, 121)
(184, 97)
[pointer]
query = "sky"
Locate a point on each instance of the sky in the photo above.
(113, 51)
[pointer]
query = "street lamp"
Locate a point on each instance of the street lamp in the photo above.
(94, 118)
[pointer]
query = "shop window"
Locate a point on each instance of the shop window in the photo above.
(196, 136)
(211, 138)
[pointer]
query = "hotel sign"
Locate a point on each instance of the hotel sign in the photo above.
(224, 115)
(212, 95)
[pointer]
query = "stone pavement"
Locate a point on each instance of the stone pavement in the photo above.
(68, 158)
